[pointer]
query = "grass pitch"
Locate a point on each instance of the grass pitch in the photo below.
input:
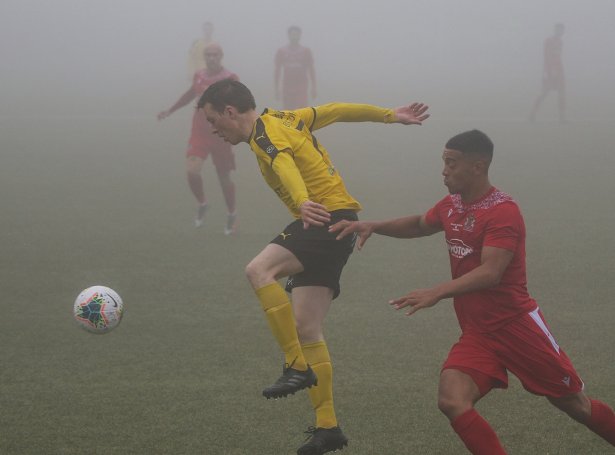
(103, 201)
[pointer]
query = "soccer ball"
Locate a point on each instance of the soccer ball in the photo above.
(98, 309)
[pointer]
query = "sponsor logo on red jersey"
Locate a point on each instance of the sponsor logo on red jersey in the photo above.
(458, 249)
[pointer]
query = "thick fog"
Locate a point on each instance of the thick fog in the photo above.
(478, 58)
(94, 191)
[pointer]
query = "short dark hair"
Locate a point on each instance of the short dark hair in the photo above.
(294, 28)
(227, 92)
(473, 141)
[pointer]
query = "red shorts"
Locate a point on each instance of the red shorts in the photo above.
(292, 100)
(222, 155)
(526, 348)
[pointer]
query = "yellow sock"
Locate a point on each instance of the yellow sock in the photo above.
(321, 396)
(279, 312)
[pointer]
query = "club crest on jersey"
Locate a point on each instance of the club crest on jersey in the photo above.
(458, 249)
(468, 224)
(288, 119)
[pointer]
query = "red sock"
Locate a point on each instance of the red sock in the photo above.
(476, 434)
(195, 182)
(602, 421)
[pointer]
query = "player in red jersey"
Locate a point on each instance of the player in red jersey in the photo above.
(203, 142)
(553, 74)
(295, 64)
(502, 327)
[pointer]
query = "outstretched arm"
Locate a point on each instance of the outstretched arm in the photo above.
(404, 228)
(327, 114)
(181, 102)
(494, 262)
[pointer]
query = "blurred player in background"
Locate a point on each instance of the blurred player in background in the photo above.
(553, 74)
(196, 57)
(298, 169)
(502, 327)
(203, 142)
(295, 65)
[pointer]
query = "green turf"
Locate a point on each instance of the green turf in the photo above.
(103, 201)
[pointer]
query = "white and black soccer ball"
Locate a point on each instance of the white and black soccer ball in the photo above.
(98, 309)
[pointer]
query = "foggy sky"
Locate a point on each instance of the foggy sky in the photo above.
(472, 57)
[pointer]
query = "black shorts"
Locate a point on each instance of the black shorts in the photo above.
(322, 256)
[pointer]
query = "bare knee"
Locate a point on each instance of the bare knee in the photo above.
(194, 165)
(271, 264)
(577, 406)
(224, 178)
(311, 305)
(457, 393)
(309, 330)
(258, 275)
(452, 407)
(253, 273)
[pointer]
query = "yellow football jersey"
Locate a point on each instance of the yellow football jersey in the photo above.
(295, 165)
(196, 57)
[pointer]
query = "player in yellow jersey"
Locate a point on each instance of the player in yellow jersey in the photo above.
(297, 167)
(196, 59)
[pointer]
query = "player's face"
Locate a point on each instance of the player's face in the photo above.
(294, 36)
(223, 123)
(213, 58)
(459, 171)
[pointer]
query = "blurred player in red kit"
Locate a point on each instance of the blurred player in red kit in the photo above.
(203, 142)
(553, 74)
(294, 64)
(502, 328)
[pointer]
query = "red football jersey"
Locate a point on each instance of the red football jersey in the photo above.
(495, 221)
(296, 61)
(201, 129)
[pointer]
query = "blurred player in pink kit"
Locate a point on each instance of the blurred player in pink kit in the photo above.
(203, 142)
(553, 74)
(295, 65)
